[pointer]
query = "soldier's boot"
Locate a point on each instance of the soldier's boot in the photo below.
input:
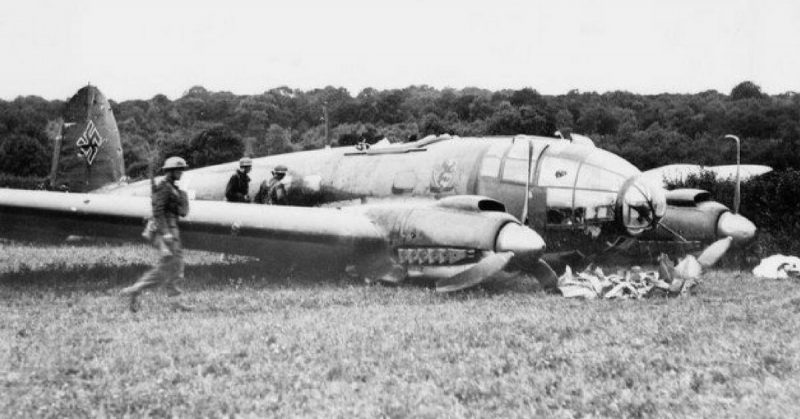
(131, 294)
(133, 303)
(172, 290)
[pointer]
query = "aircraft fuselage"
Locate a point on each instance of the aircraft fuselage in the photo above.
(575, 190)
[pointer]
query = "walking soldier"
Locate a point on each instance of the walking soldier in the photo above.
(168, 203)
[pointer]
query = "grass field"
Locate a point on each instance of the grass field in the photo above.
(290, 343)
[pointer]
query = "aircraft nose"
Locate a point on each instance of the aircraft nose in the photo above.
(736, 226)
(520, 240)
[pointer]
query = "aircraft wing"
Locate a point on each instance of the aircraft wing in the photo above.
(458, 241)
(680, 172)
(253, 230)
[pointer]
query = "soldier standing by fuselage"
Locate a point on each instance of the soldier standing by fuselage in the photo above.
(239, 185)
(273, 191)
(168, 203)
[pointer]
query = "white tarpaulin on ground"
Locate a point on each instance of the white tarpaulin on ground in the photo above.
(778, 267)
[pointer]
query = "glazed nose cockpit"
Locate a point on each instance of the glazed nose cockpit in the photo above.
(580, 187)
(641, 205)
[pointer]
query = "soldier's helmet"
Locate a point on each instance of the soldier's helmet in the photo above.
(245, 162)
(175, 163)
(279, 170)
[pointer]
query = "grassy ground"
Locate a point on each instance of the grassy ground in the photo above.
(312, 344)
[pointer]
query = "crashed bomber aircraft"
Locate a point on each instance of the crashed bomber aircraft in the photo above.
(442, 207)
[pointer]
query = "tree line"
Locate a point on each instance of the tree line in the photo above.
(212, 127)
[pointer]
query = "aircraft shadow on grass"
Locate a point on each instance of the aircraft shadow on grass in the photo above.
(215, 275)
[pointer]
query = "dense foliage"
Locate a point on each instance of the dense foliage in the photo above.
(208, 127)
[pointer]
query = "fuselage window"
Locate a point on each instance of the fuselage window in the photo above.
(515, 170)
(612, 163)
(491, 166)
(520, 150)
(491, 161)
(591, 177)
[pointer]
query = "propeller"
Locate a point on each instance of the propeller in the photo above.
(714, 252)
(487, 267)
(524, 217)
(546, 276)
(737, 196)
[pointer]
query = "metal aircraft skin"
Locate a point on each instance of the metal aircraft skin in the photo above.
(576, 190)
(443, 207)
(88, 150)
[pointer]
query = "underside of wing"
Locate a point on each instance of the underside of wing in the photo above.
(253, 230)
(458, 241)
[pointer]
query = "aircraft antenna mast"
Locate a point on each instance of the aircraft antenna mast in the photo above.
(737, 196)
(325, 118)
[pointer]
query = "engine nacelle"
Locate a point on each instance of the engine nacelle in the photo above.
(441, 226)
(694, 216)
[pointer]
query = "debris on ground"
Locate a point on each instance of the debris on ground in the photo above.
(778, 267)
(669, 280)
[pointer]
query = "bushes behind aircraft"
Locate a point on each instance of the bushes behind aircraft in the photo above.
(648, 130)
(22, 182)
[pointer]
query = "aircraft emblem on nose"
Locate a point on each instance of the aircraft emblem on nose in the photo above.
(89, 142)
(444, 177)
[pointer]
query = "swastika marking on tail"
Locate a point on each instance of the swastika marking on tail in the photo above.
(89, 142)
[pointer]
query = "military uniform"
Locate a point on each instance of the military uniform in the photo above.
(272, 192)
(168, 204)
(238, 187)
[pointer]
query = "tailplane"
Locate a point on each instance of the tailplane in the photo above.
(87, 152)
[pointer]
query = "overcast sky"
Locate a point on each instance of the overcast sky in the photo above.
(137, 49)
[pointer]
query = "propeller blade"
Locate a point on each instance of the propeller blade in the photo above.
(714, 252)
(544, 274)
(482, 270)
(523, 218)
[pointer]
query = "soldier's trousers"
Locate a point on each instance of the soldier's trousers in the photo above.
(169, 269)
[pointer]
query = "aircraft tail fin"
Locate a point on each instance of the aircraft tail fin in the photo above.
(87, 152)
